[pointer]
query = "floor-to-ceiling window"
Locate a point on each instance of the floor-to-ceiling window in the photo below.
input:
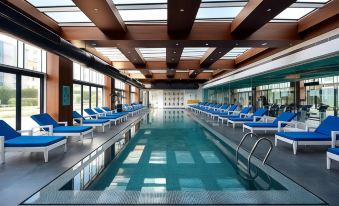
(87, 88)
(120, 91)
(22, 76)
(133, 93)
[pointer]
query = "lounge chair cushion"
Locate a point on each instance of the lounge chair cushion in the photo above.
(261, 124)
(44, 119)
(238, 119)
(7, 131)
(304, 136)
(95, 121)
(334, 150)
(33, 141)
(285, 116)
(331, 123)
(228, 116)
(71, 129)
(108, 117)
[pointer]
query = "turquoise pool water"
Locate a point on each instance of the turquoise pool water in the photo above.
(168, 157)
(172, 152)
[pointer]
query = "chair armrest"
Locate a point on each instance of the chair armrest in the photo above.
(2, 149)
(80, 119)
(242, 115)
(30, 132)
(334, 137)
(256, 117)
(49, 127)
(64, 123)
(280, 123)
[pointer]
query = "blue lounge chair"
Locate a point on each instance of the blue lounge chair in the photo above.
(270, 126)
(78, 118)
(13, 141)
(332, 154)
(227, 111)
(95, 115)
(256, 116)
(325, 134)
(47, 123)
(124, 115)
(234, 114)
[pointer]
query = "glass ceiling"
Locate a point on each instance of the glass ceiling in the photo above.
(193, 52)
(300, 9)
(153, 54)
(112, 53)
(235, 52)
(63, 12)
(155, 11)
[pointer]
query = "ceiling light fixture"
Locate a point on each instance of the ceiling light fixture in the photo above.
(236, 44)
(206, 44)
(174, 52)
(177, 44)
(264, 44)
(211, 59)
(269, 10)
(219, 52)
(94, 44)
(181, 10)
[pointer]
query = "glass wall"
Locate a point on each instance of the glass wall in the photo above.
(87, 88)
(120, 91)
(21, 91)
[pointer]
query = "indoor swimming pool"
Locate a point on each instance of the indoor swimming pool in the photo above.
(168, 158)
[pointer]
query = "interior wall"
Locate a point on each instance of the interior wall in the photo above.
(178, 98)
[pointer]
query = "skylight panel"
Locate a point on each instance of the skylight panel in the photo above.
(69, 17)
(139, 1)
(112, 53)
(51, 3)
(153, 53)
(294, 13)
(235, 52)
(313, 1)
(193, 52)
(144, 15)
(218, 13)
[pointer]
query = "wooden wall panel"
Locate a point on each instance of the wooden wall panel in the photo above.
(108, 91)
(59, 74)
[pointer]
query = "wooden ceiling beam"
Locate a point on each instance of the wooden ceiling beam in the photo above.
(137, 60)
(322, 14)
(212, 55)
(103, 14)
(256, 14)
(276, 34)
(181, 16)
(249, 54)
(173, 56)
(183, 64)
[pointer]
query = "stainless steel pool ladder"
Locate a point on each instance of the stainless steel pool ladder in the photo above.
(248, 167)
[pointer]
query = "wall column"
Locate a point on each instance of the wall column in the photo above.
(59, 74)
(108, 92)
(128, 94)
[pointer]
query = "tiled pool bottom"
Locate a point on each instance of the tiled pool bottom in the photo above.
(170, 160)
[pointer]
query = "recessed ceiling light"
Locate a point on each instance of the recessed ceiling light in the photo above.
(177, 44)
(129, 52)
(174, 52)
(206, 44)
(172, 59)
(236, 44)
(96, 10)
(181, 10)
(135, 59)
(269, 10)
(291, 44)
(211, 59)
(219, 52)
(264, 44)
(94, 44)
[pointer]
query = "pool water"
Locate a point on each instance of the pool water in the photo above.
(172, 152)
(168, 157)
